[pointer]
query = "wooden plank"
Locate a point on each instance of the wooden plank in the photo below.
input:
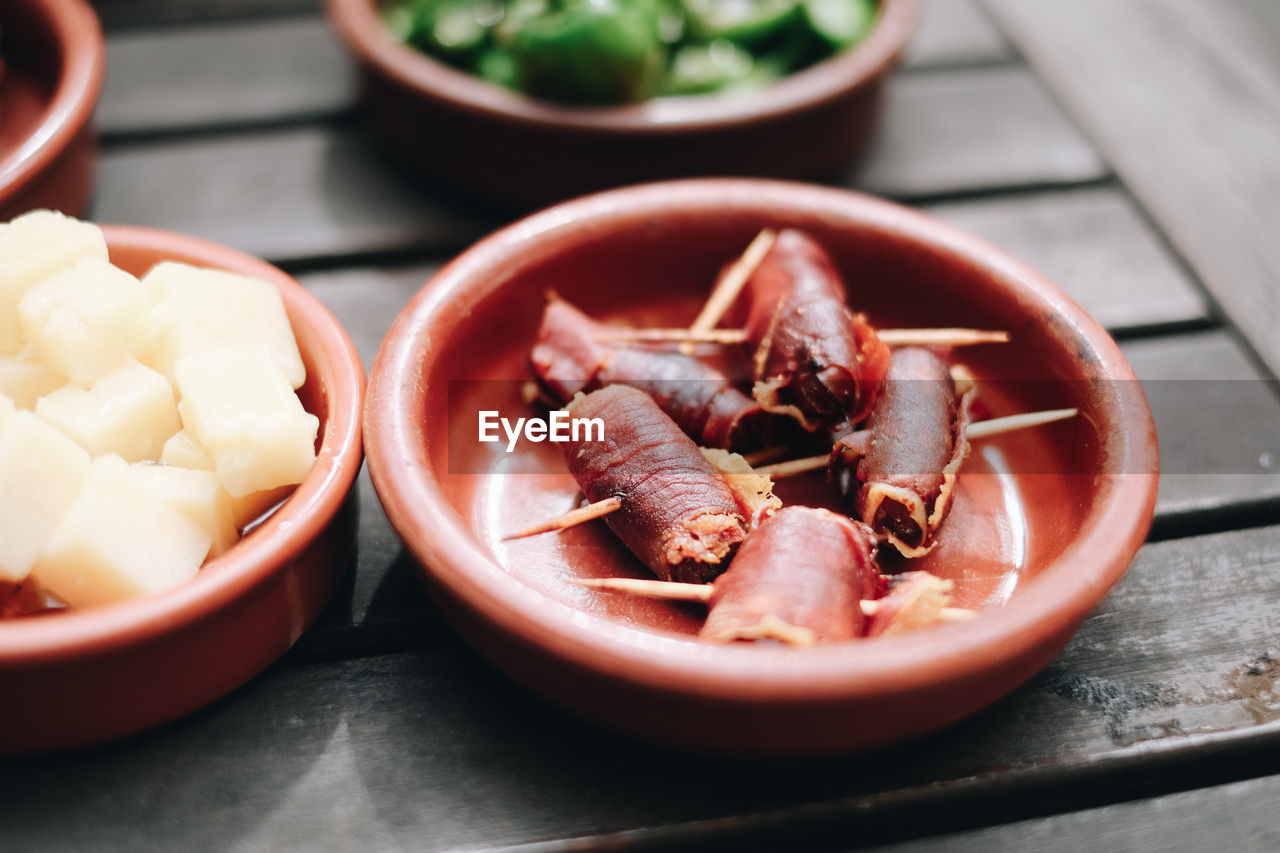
(330, 192)
(116, 14)
(276, 70)
(1095, 245)
(978, 130)
(955, 33)
(433, 750)
(1216, 418)
(1184, 99)
(382, 606)
(1240, 816)
(287, 195)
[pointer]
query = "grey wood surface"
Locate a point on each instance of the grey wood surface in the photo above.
(975, 130)
(315, 192)
(1218, 420)
(1096, 246)
(118, 15)
(1170, 680)
(236, 73)
(1238, 817)
(1183, 96)
(328, 191)
(381, 730)
(955, 33)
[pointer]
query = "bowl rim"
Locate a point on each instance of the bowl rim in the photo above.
(83, 68)
(1058, 598)
(360, 28)
(37, 640)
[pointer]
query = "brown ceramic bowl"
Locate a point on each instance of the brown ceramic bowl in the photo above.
(82, 677)
(54, 57)
(517, 150)
(1045, 521)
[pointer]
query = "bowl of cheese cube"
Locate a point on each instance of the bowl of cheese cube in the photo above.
(179, 442)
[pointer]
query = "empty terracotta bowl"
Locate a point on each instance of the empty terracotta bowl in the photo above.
(81, 677)
(1044, 523)
(522, 151)
(53, 58)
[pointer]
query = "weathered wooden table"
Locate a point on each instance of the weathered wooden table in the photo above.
(1128, 149)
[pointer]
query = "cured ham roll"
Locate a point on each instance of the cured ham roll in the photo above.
(568, 358)
(900, 470)
(798, 579)
(815, 360)
(679, 513)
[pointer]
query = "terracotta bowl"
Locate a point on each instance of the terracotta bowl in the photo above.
(82, 677)
(1045, 521)
(522, 151)
(54, 58)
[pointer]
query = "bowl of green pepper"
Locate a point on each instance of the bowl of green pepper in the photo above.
(525, 102)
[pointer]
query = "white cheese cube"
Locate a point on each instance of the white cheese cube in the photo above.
(32, 247)
(200, 309)
(129, 412)
(7, 411)
(41, 472)
(242, 409)
(85, 321)
(183, 451)
(249, 508)
(117, 542)
(196, 494)
(25, 380)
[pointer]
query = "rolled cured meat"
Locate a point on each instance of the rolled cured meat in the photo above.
(900, 470)
(568, 358)
(798, 579)
(815, 360)
(678, 514)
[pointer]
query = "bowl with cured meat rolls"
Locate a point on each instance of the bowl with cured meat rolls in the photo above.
(758, 468)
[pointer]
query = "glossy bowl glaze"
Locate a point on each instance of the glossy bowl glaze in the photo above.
(54, 58)
(1044, 522)
(82, 677)
(522, 151)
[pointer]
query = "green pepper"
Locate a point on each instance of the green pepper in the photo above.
(702, 68)
(744, 21)
(588, 51)
(399, 21)
(499, 67)
(840, 23)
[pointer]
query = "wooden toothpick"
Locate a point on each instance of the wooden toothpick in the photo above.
(570, 519)
(728, 288)
(672, 591)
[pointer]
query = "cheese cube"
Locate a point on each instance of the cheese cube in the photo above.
(198, 495)
(241, 408)
(32, 247)
(84, 321)
(117, 542)
(7, 411)
(200, 309)
(249, 508)
(25, 380)
(41, 472)
(129, 412)
(183, 451)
